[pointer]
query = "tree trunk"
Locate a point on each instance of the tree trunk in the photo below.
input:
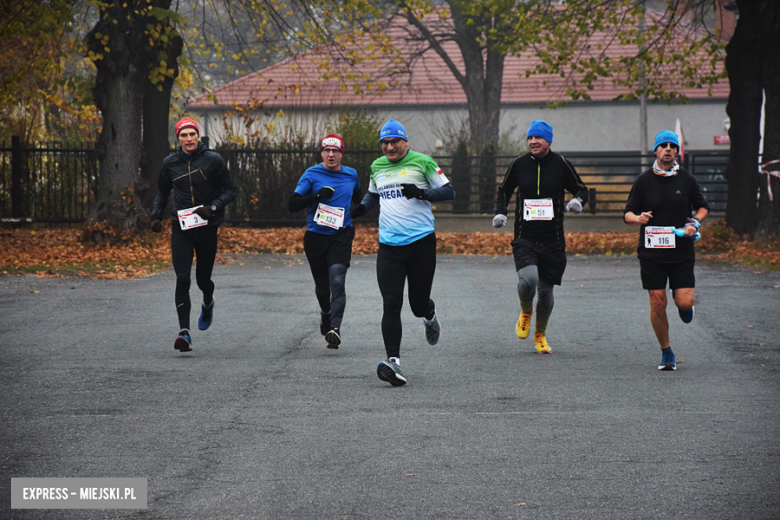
(156, 145)
(481, 82)
(460, 178)
(487, 180)
(769, 211)
(743, 60)
(121, 37)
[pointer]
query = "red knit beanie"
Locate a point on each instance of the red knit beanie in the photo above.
(186, 122)
(332, 140)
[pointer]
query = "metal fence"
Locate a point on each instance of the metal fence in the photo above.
(58, 183)
(49, 183)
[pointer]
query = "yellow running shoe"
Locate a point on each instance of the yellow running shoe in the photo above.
(541, 344)
(523, 326)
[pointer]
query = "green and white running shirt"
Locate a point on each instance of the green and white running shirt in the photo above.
(401, 220)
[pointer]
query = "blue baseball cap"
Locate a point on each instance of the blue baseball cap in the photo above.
(666, 136)
(540, 128)
(393, 130)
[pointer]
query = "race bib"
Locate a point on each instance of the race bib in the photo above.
(537, 209)
(660, 237)
(188, 219)
(329, 216)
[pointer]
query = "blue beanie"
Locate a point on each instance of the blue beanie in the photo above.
(666, 136)
(393, 130)
(541, 129)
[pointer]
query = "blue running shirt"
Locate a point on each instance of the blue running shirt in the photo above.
(344, 182)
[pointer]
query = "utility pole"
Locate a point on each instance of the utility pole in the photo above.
(642, 97)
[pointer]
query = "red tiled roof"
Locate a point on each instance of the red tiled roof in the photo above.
(297, 82)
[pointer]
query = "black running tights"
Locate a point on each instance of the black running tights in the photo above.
(331, 294)
(202, 242)
(394, 265)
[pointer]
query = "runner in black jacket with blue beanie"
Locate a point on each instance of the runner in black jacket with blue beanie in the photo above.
(202, 187)
(541, 178)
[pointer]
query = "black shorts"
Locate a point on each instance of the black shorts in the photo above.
(654, 275)
(323, 251)
(548, 257)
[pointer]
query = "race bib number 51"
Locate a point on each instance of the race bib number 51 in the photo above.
(329, 216)
(659, 237)
(188, 219)
(537, 209)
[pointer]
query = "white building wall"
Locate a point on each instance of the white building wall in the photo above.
(577, 127)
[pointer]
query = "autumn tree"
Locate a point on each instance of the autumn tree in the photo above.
(135, 47)
(481, 30)
(672, 48)
(33, 47)
(570, 38)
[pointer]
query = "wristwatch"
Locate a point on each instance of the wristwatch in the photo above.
(214, 208)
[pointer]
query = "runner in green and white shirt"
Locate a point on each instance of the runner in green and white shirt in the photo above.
(404, 183)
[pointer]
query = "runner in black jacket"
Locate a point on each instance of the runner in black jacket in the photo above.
(202, 187)
(661, 200)
(539, 247)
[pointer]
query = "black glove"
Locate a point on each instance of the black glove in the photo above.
(325, 192)
(156, 225)
(411, 191)
(358, 211)
(205, 212)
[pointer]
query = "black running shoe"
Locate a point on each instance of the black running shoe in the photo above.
(333, 337)
(390, 372)
(432, 330)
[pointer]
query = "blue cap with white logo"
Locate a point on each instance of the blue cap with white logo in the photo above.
(393, 130)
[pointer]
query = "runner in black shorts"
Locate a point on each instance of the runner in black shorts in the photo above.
(202, 187)
(539, 246)
(661, 200)
(328, 190)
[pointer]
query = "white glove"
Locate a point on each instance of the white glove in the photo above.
(499, 221)
(574, 205)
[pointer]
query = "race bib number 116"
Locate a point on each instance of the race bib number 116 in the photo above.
(659, 237)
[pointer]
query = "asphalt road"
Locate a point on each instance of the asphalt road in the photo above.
(262, 421)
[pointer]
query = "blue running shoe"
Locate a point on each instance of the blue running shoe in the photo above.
(206, 316)
(667, 360)
(686, 316)
(183, 342)
(390, 372)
